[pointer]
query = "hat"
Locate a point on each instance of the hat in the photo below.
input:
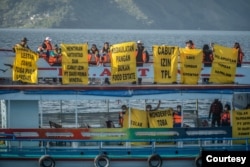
(189, 41)
(48, 39)
(139, 42)
(24, 39)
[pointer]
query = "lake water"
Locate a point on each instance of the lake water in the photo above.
(63, 112)
(9, 37)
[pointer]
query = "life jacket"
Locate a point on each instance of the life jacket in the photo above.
(177, 118)
(105, 57)
(48, 46)
(94, 54)
(240, 56)
(121, 119)
(141, 55)
(207, 57)
(52, 60)
(225, 117)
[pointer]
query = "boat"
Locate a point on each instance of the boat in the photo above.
(30, 136)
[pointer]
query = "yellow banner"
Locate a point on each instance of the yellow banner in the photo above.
(160, 119)
(123, 62)
(25, 67)
(224, 64)
(138, 119)
(241, 124)
(74, 63)
(165, 63)
(191, 63)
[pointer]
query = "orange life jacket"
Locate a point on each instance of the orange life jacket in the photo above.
(121, 119)
(240, 56)
(177, 118)
(48, 46)
(91, 57)
(144, 56)
(225, 117)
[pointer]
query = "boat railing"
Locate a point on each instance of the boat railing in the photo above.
(120, 137)
(117, 142)
(143, 147)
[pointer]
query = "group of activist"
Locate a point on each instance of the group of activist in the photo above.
(152, 118)
(124, 58)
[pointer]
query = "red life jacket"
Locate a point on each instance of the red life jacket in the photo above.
(225, 117)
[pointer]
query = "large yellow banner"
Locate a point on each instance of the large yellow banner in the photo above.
(241, 124)
(25, 67)
(138, 119)
(123, 62)
(224, 64)
(160, 119)
(191, 63)
(74, 63)
(165, 63)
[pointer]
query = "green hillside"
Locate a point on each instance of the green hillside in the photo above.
(126, 14)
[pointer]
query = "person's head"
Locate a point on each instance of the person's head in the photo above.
(227, 107)
(48, 39)
(148, 107)
(124, 107)
(236, 45)
(106, 45)
(139, 43)
(24, 40)
(205, 47)
(189, 44)
(178, 108)
(93, 47)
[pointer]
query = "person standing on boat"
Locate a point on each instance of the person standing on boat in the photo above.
(216, 109)
(121, 114)
(177, 118)
(94, 53)
(105, 58)
(225, 116)
(23, 44)
(47, 46)
(207, 56)
(240, 53)
(141, 57)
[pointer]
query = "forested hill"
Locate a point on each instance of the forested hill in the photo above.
(126, 14)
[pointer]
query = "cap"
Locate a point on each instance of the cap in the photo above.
(24, 39)
(189, 41)
(139, 42)
(48, 39)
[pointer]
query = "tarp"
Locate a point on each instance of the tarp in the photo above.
(224, 64)
(75, 63)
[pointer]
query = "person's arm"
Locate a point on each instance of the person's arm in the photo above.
(158, 106)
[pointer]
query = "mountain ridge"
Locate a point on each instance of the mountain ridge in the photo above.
(126, 14)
